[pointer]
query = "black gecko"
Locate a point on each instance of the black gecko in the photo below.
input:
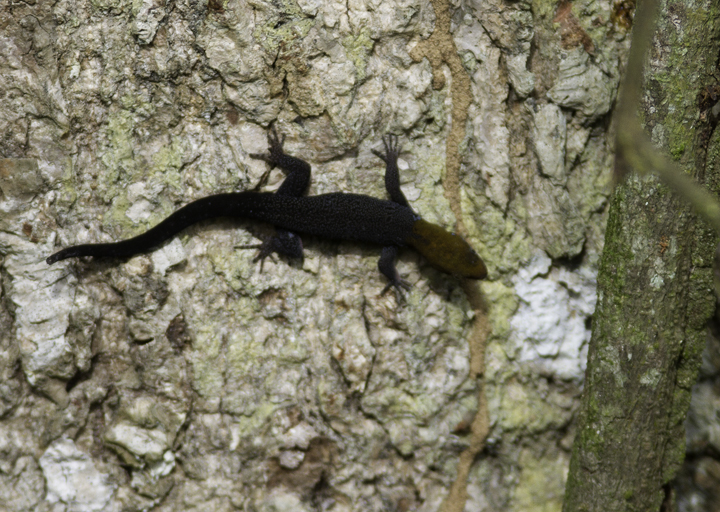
(391, 224)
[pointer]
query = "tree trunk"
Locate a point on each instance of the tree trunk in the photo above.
(186, 379)
(655, 287)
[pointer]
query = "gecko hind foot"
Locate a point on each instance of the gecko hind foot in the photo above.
(275, 153)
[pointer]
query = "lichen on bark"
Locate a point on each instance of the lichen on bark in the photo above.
(654, 288)
(186, 378)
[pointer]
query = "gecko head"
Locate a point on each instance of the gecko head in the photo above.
(446, 251)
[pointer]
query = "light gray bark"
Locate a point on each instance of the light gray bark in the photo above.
(185, 379)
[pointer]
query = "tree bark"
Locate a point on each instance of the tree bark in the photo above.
(186, 379)
(655, 287)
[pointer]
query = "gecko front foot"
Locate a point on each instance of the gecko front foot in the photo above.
(392, 148)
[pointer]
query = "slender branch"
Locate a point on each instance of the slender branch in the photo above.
(633, 145)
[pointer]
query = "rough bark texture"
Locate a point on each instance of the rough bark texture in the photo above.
(698, 485)
(187, 380)
(655, 288)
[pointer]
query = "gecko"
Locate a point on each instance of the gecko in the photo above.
(392, 224)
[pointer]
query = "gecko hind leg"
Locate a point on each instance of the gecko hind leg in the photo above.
(283, 243)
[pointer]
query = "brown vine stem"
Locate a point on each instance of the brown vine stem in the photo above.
(440, 50)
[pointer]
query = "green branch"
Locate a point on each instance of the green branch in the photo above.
(633, 146)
